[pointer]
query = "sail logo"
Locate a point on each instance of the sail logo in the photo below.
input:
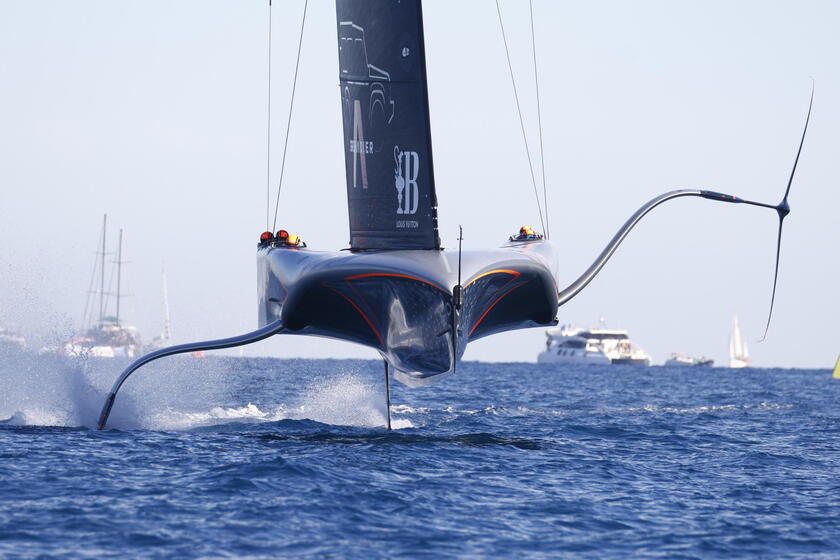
(406, 170)
(359, 146)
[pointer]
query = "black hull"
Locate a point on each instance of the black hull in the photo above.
(400, 302)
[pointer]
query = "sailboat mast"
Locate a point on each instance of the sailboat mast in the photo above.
(166, 335)
(102, 269)
(119, 274)
(732, 351)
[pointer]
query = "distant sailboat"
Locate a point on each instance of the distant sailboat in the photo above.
(739, 355)
(108, 336)
(165, 337)
(396, 289)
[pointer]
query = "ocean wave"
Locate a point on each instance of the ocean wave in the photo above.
(709, 408)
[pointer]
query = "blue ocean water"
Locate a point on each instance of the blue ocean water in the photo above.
(264, 458)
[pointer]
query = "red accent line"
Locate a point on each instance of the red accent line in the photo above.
(372, 274)
(505, 285)
(362, 313)
(363, 302)
(483, 315)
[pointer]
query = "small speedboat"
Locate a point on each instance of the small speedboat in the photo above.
(681, 360)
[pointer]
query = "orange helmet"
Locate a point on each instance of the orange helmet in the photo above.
(526, 230)
(294, 240)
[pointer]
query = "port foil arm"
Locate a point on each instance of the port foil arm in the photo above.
(241, 340)
(575, 287)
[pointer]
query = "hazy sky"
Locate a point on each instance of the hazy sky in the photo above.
(155, 112)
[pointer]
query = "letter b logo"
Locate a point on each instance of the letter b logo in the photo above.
(405, 181)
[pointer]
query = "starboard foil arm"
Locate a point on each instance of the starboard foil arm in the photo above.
(782, 209)
(584, 279)
(248, 338)
(575, 287)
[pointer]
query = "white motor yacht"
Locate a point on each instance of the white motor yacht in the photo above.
(564, 346)
(575, 345)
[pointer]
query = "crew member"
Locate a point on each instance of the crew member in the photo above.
(282, 237)
(265, 238)
(286, 239)
(525, 232)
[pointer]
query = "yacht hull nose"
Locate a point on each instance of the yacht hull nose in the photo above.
(401, 304)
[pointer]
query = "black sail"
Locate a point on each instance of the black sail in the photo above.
(387, 142)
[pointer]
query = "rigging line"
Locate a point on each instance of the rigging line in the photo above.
(289, 120)
(521, 121)
(109, 293)
(268, 131)
(539, 120)
(102, 271)
(87, 315)
(88, 306)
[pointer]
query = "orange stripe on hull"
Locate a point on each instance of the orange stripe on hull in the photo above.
(497, 271)
(373, 274)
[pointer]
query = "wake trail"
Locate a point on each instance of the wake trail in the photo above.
(45, 390)
(179, 394)
(339, 400)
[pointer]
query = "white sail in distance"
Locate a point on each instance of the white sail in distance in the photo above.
(739, 356)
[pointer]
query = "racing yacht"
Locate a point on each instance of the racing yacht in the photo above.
(396, 289)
